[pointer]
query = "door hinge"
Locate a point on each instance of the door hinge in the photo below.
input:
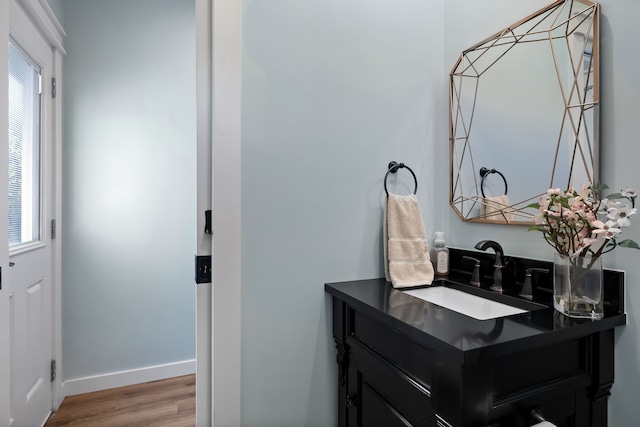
(53, 228)
(53, 87)
(53, 370)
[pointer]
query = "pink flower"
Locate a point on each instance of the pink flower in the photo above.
(578, 205)
(538, 219)
(583, 233)
(585, 243)
(577, 222)
(544, 201)
(585, 193)
(589, 216)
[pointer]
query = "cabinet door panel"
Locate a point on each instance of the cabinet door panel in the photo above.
(408, 398)
(399, 350)
(377, 412)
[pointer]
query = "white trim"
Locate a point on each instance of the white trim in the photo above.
(44, 18)
(56, 244)
(204, 412)
(203, 123)
(29, 246)
(129, 377)
(5, 329)
(218, 83)
(227, 211)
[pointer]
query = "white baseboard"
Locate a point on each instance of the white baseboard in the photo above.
(124, 378)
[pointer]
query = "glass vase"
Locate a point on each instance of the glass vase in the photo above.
(577, 286)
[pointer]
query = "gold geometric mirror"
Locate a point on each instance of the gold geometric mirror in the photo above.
(524, 113)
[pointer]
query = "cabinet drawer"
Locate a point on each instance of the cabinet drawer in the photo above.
(387, 390)
(536, 367)
(402, 352)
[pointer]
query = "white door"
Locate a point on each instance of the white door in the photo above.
(30, 210)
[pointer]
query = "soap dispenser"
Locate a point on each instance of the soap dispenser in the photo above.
(441, 255)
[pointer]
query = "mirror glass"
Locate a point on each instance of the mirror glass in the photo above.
(524, 114)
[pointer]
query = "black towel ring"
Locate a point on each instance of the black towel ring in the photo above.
(393, 168)
(484, 172)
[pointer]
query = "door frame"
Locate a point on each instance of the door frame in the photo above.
(51, 29)
(227, 211)
(5, 329)
(204, 245)
(219, 59)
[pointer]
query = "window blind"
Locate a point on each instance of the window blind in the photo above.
(24, 148)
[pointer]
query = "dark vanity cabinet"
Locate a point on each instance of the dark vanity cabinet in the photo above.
(405, 362)
(388, 386)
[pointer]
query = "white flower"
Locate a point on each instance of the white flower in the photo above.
(629, 192)
(612, 204)
(620, 215)
(607, 230)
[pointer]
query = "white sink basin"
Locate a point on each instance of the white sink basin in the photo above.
(464, 303)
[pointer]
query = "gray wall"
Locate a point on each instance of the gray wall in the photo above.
(332, 91)
(620, 153)
(129, 185)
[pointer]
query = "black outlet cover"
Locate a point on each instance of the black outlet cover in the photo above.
(203, 268)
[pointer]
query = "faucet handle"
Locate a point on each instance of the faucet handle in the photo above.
(527, 291)
(475, 276)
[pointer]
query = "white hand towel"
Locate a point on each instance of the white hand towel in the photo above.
(406, 250)
(497, 209)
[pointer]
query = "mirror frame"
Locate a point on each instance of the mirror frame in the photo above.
(459, 145)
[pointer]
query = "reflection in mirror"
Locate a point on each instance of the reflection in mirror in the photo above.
(523, 106)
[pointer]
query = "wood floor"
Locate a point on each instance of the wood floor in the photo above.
(170, 402)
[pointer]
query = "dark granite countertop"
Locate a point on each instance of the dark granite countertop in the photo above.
(467, 339)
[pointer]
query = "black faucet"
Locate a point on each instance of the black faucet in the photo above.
(497, 265)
